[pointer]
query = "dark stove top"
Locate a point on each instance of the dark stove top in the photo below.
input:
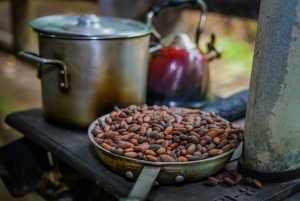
(74, 148)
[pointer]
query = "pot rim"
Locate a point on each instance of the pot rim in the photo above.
(70, 27)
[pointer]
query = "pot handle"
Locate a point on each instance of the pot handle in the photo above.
(143, 184)
(179, 3)
(62, 65)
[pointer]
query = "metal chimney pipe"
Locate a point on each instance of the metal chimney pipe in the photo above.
(271, 150)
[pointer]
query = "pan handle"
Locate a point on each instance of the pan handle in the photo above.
(62, 65)
(143, 184)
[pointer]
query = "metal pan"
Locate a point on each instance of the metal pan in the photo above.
(148, 173)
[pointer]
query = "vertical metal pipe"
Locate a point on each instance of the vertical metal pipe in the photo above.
(272, 126)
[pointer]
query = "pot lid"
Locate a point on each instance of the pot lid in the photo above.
(89, 26)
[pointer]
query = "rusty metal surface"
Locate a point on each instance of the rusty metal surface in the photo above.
(271, 127)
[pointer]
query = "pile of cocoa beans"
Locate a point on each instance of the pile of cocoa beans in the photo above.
(165, 134)
(236, 178)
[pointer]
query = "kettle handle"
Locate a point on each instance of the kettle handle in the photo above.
(62, 65)
(179, 3)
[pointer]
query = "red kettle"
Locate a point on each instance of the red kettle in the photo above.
(178, 72)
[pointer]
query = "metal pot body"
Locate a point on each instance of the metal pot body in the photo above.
(101, 73)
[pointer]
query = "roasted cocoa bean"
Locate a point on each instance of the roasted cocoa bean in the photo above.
(151, 158)
(195, 134)
(191, 149)
(228, 181)
(215, 152)
(166, 158)
(144, 147)
(213, 179)
(216, 140)
(210, 146)
(123, 145)
(154, 147)
(204, 155)
(194, 158)
(130, 154)
(238, 178)
(226, 147)
(151, 131)
(233, 172)
(207, 139)
(234, 143)
(181, 159)
(222, 144)
(119, 151)
(256, 183)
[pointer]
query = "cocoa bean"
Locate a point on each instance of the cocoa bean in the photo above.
(233, 172)
(168, 130)
(215, 152)
(144, 147)
(197, 153)
(166, 158)
(241, 137)
(160, 151)
(238, 178)
(203, 132)
(207, 139)
(210, 146)
(223, 136)
(256, 183)
(110, 135)
(181, 159)
(204, 155)
(191, 149)
(174, 144)
(134, 141)
(222, 144)
(160, 141)
(129, 150)
(234, 143)
(194, 158)
(150, 152)
(124, 145)
(151, 158)
(168, 137)
(189, 127)
(226, 147)
(182, 130)
(106, 146)
(216, 140)
(211, 134)
(195, 134)
(141, 139)
(119, 151)
(213, 179)
(130, 154)
(154, 147)
(228, 181)
(127, 137)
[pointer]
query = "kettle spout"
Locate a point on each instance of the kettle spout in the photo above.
(213, 52)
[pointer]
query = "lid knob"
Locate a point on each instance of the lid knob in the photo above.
(89, 20)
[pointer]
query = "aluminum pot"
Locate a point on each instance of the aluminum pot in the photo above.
(88, 64)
